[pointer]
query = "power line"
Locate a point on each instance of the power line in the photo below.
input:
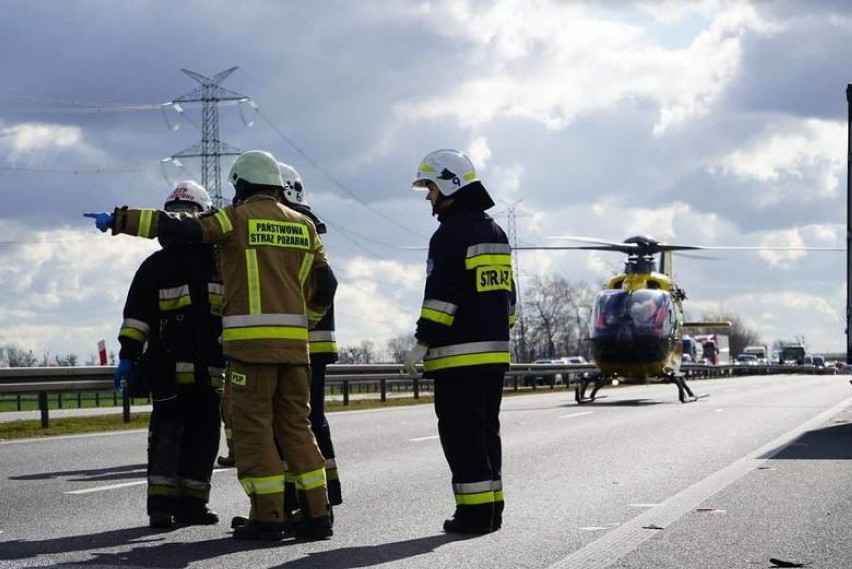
(116, 170)
(334, 180)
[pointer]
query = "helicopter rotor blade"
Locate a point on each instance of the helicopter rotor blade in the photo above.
(591, 240)
(622, 249)
(694, 256)
(771, 248)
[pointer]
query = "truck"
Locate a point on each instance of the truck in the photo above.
(762, 353)
(716, 348)
(791, 353)
(692, 350)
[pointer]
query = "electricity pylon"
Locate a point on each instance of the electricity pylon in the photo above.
(210, 149)
(519, 316)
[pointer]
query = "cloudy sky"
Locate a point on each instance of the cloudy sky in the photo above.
(708, 123)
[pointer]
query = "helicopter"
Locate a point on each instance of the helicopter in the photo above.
(636, 324)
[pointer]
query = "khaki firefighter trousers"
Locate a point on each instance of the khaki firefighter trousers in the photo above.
(269, 413)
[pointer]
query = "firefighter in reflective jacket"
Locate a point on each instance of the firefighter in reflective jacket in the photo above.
(323, 346)
(323, 351)
(277, 284)
(463, 335)
(174, 306)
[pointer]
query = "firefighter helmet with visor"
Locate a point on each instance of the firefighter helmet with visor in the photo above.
(256, 167)
(188, 196)
(449, 170)
(294, 190)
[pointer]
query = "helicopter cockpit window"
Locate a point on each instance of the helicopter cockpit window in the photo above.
(652, 310)
(609, 311)
(645, 311)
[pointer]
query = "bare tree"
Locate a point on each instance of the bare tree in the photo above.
(399, 346)
(362, 354)
(556, 313)
(13, 356)
(68, 360)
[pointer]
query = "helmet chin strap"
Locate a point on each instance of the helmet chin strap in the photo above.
(439, 204)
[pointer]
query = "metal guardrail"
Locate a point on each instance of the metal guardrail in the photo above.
(44, 380)
(345, 377)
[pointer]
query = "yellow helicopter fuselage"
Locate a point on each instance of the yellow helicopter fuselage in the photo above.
(631, 340)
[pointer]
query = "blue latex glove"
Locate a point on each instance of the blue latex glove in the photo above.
(103, 220)
(122, 374)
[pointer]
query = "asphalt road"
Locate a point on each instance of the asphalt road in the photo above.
(759, 469)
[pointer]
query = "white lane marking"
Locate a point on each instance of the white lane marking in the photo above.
(575, 414)
(125, 484)
(110, 487)
(644, 505)
(418, 439)
(609, 548)
(593, 528)
(80, 436)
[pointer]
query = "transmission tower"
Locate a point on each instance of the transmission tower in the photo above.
(513, 241)
(210, 149)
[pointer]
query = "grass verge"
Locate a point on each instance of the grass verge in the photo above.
(23, 429)
(28, 428)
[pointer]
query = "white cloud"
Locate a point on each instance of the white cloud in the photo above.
(377, 300)
(26, 139)
(65, 289)
(551, 62)
(784, 149)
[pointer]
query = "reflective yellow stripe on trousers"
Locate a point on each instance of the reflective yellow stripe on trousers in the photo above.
(263, 485)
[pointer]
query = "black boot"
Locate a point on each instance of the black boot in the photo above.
(226, 460)
(260, 531)
(314, 528)
(161, 510)
(291, 520)
(194, 512)
(203, 516)
(161, 520)
(476, 519)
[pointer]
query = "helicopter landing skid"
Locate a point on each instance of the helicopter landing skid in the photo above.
(684, 393)
(583, 384)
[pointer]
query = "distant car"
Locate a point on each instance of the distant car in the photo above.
(819, 363)
(573, 360)
(746, 360)
(542, 378)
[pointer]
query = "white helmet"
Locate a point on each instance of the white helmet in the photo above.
(188, 196)
(294, 191)
(256, 167)
(448, 169)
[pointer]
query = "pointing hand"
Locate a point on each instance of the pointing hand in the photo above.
(103, 220)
